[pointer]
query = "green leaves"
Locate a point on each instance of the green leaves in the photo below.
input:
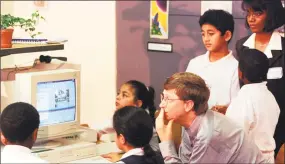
(9, 21)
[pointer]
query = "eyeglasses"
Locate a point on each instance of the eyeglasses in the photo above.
(166, 99)
(254, 14)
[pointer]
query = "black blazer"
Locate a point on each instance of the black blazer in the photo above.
(276, 86)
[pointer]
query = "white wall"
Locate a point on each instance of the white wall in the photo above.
(90, 28)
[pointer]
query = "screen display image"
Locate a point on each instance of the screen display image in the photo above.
(56, 101)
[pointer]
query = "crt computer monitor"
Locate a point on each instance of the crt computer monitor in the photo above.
(56, 96)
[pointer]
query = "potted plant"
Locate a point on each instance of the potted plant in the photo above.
(8, 22)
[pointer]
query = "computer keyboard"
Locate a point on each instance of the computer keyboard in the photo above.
(97, 159)
(72, 152)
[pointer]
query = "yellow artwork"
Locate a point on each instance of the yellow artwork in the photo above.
(159, 16)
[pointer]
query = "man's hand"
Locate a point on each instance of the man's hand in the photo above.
(163, 127)
(220, 108)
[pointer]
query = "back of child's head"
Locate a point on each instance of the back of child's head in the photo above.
(145, 94)
(254, 65)
(18, 121)
(136, 126)
(220, 19)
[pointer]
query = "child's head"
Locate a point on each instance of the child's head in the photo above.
(253, 66)
(134, 129)
(263, 15)
(135, 93)
(19, 124)
(217, 27)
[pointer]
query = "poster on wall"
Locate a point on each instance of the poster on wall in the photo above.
(159, 15)
(224, 5)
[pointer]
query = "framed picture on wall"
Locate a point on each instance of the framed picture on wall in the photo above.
(159, 16)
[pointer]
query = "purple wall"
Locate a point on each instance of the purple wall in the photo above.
(133, 59)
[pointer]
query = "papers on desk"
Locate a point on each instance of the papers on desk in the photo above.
(97, 159)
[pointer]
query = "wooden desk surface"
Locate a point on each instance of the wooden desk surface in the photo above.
(28, 48)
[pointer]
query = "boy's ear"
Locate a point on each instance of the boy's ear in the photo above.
(3, 139)
(35, 134)
(228, 35)
(240, 74)
(122, 139)
(139, 103)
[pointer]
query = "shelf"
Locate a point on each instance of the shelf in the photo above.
(28, 48)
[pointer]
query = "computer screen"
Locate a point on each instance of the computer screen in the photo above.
(56, 101)
(56, 96)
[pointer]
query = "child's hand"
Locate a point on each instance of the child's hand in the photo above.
(85, 125)
(112, 157)
(163, 127)
(220, 108)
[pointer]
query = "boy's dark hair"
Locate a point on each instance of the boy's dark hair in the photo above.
(221, 19)
(18, 121)
(189, 86)
(145, 94)
(254, 65)
(275, 12)
(136, 126)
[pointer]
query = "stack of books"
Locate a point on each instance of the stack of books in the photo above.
(29, 41)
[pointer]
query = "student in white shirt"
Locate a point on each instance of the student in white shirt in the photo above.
(134, 130)
(133, 93)
(218, 67)
(19, 127)
(255, 107)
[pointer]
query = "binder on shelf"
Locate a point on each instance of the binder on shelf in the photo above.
(29, 41)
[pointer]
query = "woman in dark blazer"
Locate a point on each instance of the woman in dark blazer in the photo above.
(263, 18)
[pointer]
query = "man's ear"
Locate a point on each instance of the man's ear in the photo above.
(228, 35)
(189, 105)
(35, 134)
(3, 139)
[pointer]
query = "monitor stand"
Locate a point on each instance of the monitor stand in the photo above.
(46, 145)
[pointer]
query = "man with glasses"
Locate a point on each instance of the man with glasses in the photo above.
(207, 136)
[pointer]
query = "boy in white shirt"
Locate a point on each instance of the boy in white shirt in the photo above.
(255, 107)
(217, 67)
(19, 124)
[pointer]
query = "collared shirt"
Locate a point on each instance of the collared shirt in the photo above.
(212, 138)
(135, 151)
(18, 154)
(220, 76)
(274, 43)
(256, 110)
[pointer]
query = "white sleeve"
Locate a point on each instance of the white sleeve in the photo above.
(234, 85)
(3, 90)
(189, 67)
(241, 111)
